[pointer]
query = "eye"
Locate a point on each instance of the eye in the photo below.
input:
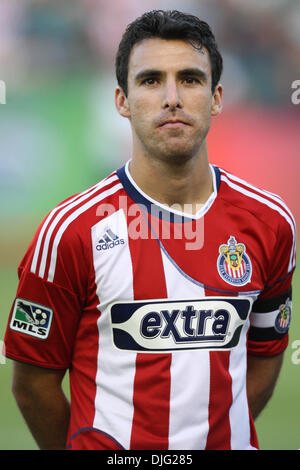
(149, 81)
(191, 80)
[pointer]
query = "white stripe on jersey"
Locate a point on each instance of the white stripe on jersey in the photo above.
(272, 205)
(189, 427)
(70, 219)
(115, 369)
(239, 410)
(77, 199)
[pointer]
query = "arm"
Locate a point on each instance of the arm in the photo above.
(42, 403)
(262, 374)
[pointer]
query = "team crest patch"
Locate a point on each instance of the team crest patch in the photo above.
(31, 318)
(234, 265)
(283, 318)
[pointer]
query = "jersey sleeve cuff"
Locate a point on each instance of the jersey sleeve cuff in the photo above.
(22, 358)
(268, 348)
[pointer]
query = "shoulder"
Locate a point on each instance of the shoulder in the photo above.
(263, 204)
(262, 207)
(66, 228)
(82, 201)
(78, 206)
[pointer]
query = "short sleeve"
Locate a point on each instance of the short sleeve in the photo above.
(44, 317)
(271, 313)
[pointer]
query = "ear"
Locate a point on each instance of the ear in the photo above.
(121, 102)
(217, 97)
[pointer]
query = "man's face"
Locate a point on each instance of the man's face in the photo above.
(169, 101)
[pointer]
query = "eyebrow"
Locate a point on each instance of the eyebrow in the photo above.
(193, 72)
(149, 73)
(153, 73)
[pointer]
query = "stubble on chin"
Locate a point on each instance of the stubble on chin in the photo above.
(176, 149)
(176, 146)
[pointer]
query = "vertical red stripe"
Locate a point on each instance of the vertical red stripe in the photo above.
(83, 375)
(253, 435)
(150, 429)
(151, 396)
(220, 399)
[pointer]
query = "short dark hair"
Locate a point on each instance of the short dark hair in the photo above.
(167, 25)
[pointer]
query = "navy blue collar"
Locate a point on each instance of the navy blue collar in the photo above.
(160, 210)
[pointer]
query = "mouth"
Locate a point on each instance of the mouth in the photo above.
(173, 124)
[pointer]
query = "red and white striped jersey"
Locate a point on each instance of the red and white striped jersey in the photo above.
(154, 311)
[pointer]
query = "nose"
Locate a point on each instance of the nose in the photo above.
(171, 98)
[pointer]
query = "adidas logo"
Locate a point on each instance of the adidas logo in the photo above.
(109, 240)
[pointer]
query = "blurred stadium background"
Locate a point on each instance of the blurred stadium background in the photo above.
(60, 133)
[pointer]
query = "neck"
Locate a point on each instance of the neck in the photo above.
(185, 186)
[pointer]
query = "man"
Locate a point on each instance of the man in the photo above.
(165, 289)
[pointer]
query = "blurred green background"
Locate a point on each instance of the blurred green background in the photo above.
(60, 133)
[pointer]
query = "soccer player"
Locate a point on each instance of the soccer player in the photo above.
(164, 289)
